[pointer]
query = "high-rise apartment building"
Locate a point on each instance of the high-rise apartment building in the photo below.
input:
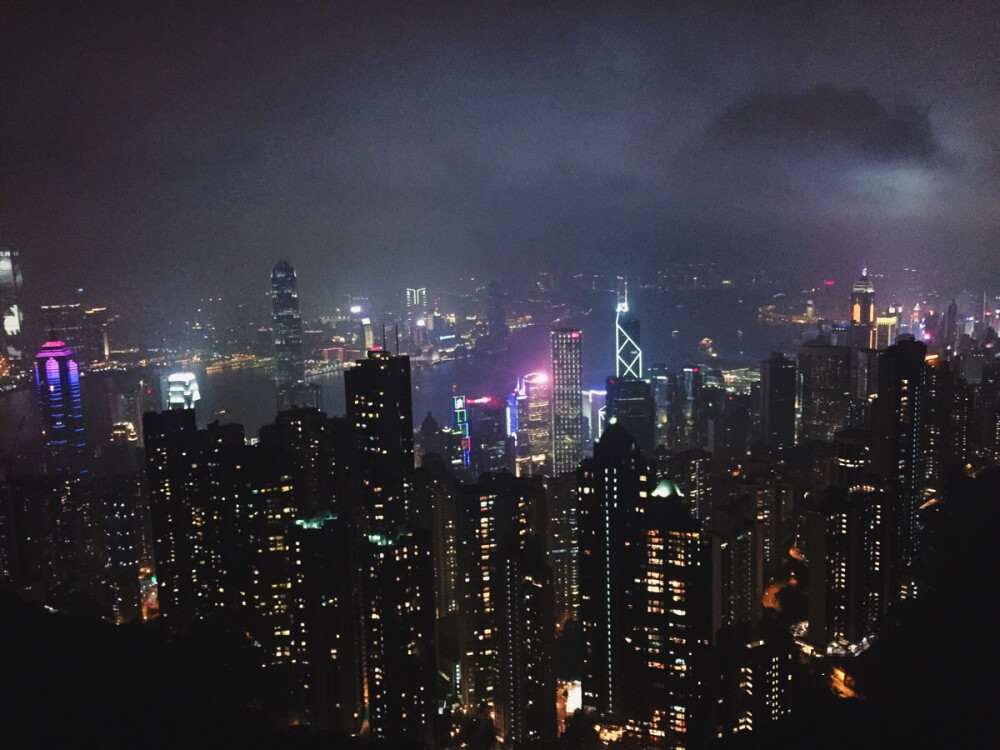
(287, 324)
(825, 389)
(567, 424)
(380, 406)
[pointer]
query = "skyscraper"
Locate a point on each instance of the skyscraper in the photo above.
(416, 301)
(10, 305)
(533, 424)
(58, 379)
(396, 567)
(863, 300)
(777, 387)
(567, 422)
(380, 406)
(628, 354)
(630, 403)
(899, 428)
(287, 324)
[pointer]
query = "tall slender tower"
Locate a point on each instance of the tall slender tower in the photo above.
(58, 379)
(777, 385)
(567, 422)
(10, 305)
(396, 565)
(287, 325)
(628, 354)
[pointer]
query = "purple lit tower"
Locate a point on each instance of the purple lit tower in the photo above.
(58, 378)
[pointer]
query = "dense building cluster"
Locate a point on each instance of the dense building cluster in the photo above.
(621, 556)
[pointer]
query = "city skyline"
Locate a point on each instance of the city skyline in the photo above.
(499, 376)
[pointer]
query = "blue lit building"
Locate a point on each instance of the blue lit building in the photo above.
(58, 379)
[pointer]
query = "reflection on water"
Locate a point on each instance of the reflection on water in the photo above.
(670, 334)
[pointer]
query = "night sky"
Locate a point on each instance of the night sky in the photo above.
(165, 151)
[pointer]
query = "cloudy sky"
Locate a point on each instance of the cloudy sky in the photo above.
(165, 151)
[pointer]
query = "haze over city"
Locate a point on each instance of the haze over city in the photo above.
(166, 152)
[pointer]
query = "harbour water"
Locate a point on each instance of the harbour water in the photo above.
(673, 325)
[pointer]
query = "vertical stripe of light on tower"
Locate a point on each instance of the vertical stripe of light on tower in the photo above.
(628, 355)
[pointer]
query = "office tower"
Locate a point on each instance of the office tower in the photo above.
(11, 313)
(628, 354)
(567, 427)
(416, 302)
(461, 458)
(886, 327)
(181, 391)
(491, 444)
(847, 545)
(286, 324)
(532, 400)
(367, 335)
(863, 300)
(380, 406)
(899, 435)
(128, 402)
(629, 402)
(65, 322)
(496, 314)
(825, 388)
(57, 378)
(777, 385)
(593, 409)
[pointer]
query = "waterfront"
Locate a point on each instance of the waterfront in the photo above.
(673, 325)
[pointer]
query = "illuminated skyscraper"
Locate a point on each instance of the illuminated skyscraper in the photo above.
(533, 402)
(416, 301)
(58, 379)
(567, 422)
(863, 300)
(10, 305)
(628, 355)
(287, 324)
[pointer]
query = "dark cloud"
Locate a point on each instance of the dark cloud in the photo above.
(826, 116)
